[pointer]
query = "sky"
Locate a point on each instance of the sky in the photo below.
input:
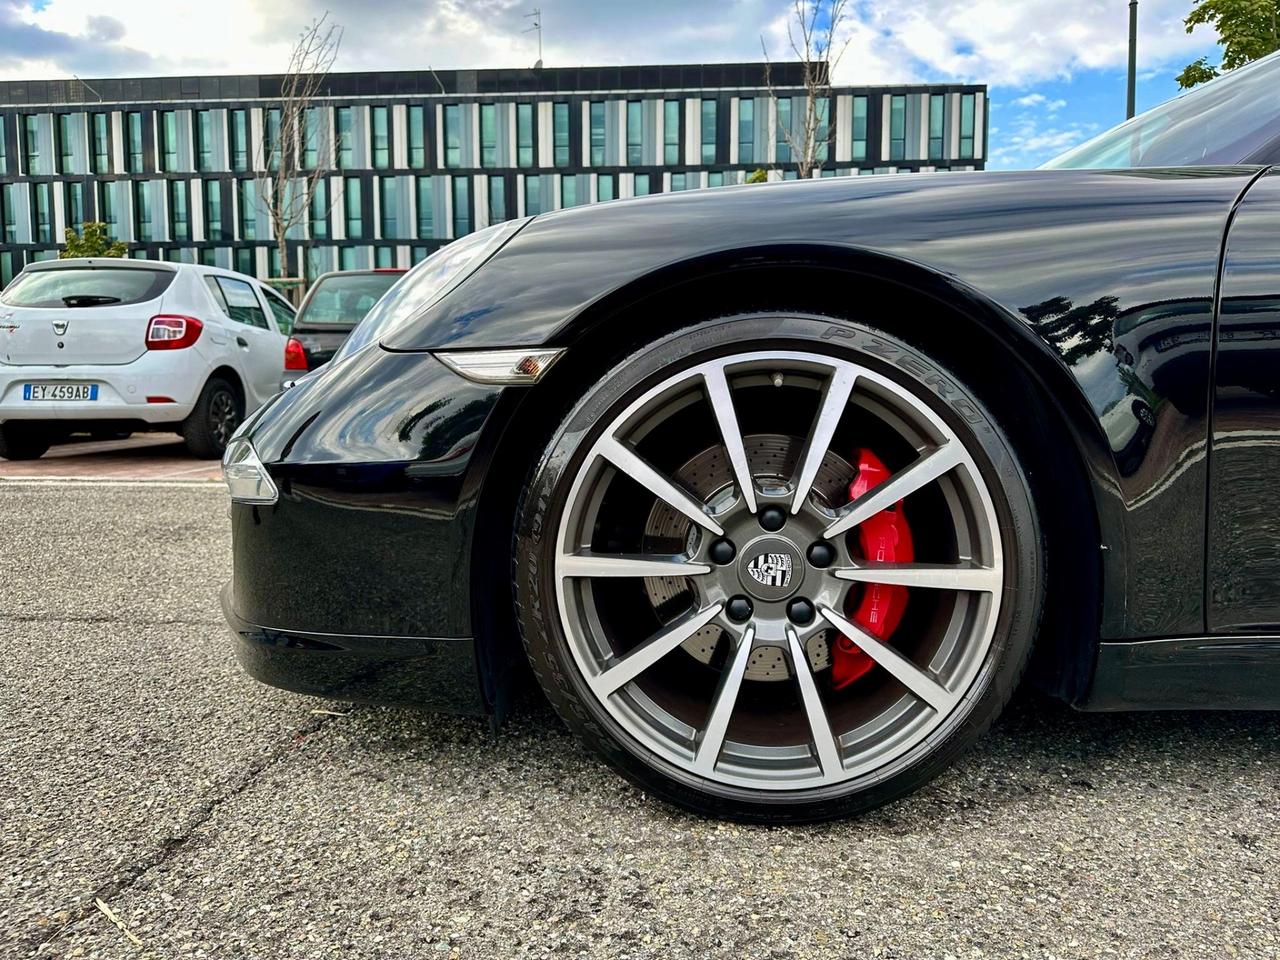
(1056, 69)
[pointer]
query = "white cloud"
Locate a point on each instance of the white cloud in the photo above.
(1027, 142)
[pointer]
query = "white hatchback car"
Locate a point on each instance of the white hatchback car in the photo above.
(115, 346)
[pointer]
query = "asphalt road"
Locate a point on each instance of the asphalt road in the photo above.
(218, 818)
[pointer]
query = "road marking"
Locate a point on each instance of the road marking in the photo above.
(86, 482)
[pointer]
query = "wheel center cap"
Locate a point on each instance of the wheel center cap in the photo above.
(771, 568)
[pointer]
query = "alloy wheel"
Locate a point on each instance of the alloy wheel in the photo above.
(224, 416)
(708, 562)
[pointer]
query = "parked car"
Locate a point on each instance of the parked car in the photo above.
(333, 306)
(117, 346)
(783, 515)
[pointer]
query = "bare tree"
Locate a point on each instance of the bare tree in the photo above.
(812, 32)
(289, 184)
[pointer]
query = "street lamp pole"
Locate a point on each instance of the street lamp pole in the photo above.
(1133, 59)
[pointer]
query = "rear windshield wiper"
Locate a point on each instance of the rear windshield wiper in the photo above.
(89, 300)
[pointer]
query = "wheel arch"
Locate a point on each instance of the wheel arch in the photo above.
(1015, 373)
(229, 374)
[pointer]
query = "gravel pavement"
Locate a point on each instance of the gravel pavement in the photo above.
(219, 818)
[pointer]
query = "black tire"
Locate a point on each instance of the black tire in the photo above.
(544, 500)
(216, 415)
(23, 441)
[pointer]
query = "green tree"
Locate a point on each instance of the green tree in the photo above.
(91, 241)
(757, 176)
(1247, 29)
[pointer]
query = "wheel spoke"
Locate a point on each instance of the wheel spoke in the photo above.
(835, 396)
(824, 740)
(903, 483)
(588, 564)
(717, 385)
(918, 681)
(938, 576)
(635, 467)
(623, 671)
(712, 739)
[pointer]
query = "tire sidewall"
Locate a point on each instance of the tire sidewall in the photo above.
(544, 501)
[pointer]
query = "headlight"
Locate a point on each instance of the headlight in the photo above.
(427, 283)
(246, 478)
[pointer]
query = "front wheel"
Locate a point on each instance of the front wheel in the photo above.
(778, 568)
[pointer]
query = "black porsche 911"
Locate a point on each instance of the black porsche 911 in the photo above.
(781, 490)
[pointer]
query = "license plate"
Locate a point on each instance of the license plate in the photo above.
(59, 391)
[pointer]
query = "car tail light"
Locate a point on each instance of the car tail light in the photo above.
(295, 358)
(172, 332)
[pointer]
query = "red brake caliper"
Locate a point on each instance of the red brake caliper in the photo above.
(885, 538)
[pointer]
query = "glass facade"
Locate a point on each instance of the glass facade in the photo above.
(188, 178)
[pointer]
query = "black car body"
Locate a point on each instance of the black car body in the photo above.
(1122, 326)
(334, 305)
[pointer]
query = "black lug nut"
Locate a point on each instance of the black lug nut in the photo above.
(800, 611)
(722, 551)
(822, 554)
(773, 518)
(739, 609)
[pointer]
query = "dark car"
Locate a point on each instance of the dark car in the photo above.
(333, 306)
(782, 490)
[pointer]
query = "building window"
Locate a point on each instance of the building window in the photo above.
(346, 138)
(384, 257)
(311, 139)
(179, 220)
(715, 179)
(239, 121)
(244, 261)
(417, 138)
(7, 192)
(497, 199)
(746, 131)
(66, 144)
(453, 135)
(783, 144)
(524, 134)
(74, 201)
(605, 189)
(461, 206)
(168, 141)
(44, 213)
(204, 140)
(596, 114)
(532, 196)
(859, 128)
(642, 185)
(352, 203)
(31, 144)
(319, 209)
(248, 210)
(349, 259)
(381, 138)
(560, 133)
(390, 205)
(635, 128)
(568, 191)
(671, 131)
(897, 127)
(967, 107)
(426, 213)
(4, 159)
(99, 144)
(822, 133)
(133, 142)
(272, 147)
(709, 131)
(488, 135)
(142, 225)
(213, 210)
(678, 181)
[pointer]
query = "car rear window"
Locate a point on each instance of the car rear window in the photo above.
(86, 287)
(345, 299)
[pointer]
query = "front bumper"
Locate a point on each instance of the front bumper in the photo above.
(427, 672)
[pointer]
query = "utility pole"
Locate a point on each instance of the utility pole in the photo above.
(1133, 59)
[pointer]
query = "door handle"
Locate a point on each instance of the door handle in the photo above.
(243, 342)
